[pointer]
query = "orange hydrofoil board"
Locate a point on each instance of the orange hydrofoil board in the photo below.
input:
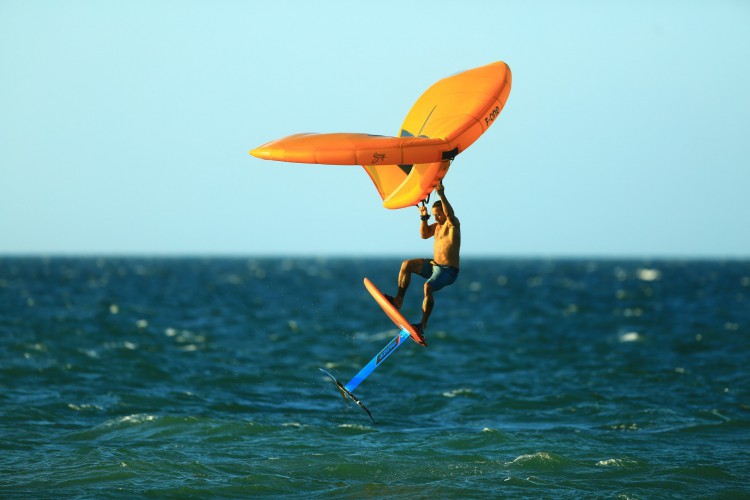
(393, 313)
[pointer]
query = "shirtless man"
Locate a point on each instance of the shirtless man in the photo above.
(442, 270)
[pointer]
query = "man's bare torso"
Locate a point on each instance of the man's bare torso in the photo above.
(447, 244)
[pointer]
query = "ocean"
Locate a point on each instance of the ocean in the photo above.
(199, 378)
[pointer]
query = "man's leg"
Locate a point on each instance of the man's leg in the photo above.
(404, 278)
(441, 277)
(427, 304)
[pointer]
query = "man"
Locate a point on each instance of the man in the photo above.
(442, 270)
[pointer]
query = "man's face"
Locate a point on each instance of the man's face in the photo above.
(439, 215)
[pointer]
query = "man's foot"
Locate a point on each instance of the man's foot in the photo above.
(392, 300)
(420, 331)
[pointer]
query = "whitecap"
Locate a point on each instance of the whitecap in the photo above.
(611, 462)
(135, 419)
(645, 274)
(625, 427)
(529, 457)
(463, 391)
(138, 418)
(84, 407)
(356, 427)
(631, 337)
(91, 353)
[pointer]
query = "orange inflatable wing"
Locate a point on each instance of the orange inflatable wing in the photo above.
(444, 121)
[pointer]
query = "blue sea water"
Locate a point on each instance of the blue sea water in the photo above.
(178, 378)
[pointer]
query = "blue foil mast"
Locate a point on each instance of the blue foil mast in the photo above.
(347, 390)
(375, 362)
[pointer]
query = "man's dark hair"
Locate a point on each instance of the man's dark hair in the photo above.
(438, 203)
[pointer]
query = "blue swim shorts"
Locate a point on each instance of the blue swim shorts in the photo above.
(438, 276)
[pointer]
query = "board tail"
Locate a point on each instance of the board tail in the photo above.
(345, 393)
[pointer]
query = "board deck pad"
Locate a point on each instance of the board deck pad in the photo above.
(393, 313)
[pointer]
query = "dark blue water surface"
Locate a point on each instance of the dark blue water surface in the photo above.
(199, 378)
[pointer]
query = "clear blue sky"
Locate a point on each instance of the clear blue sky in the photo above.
(125, 126)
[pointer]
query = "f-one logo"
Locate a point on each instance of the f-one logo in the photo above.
(378, 157)
(491, 117)
(387, 350)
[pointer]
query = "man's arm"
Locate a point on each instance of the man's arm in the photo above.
(447, 208)
(425, 230)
